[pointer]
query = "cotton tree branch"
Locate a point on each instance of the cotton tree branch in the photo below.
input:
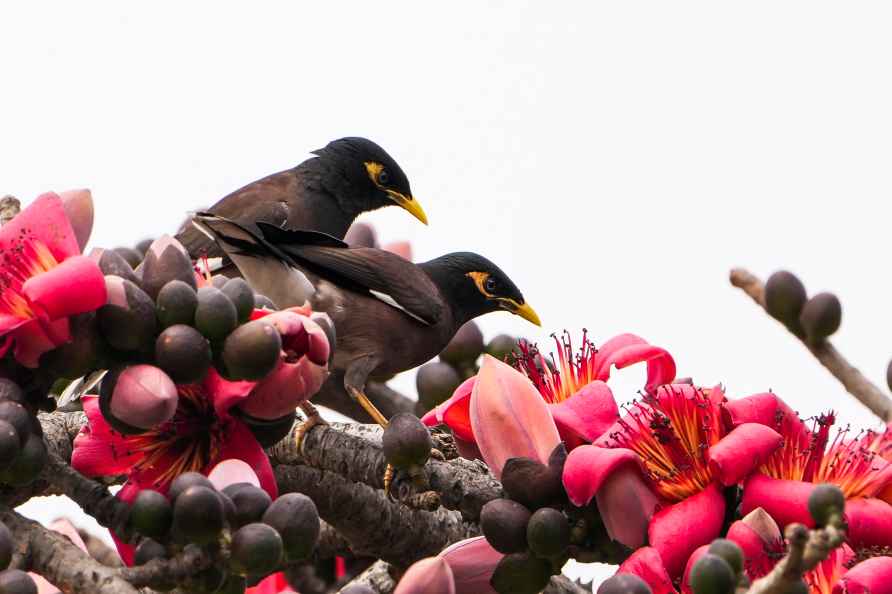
(805, 550)
(853, 380)
(158, 572)
(58, 560)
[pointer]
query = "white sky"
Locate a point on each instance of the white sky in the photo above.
(616, 159)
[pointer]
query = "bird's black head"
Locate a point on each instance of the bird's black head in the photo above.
(369, 167)
(474, 286)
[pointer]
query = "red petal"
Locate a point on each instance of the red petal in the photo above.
(769, 410)
(428, 576)
(742, 451)
(873, 576)
(870, 523)
(586, 415)
(272, 584)
(647, 564)
(38, 337)
(472, 562)
(455, 412)
(628, 349)
(98, 449)
(43, 220)
(758, 536)
(695, 556)
(224, 393)
(676, 531)
(785, 501)
(627, 504)
(74, 286)
(284, 389)
(588, 466)
(241, 444)
(509, 417)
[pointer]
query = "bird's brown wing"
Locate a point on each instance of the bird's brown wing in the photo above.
(379, 273)
(265, 200)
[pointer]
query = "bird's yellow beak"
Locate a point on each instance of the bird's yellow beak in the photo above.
(523, 310)
(409, 204)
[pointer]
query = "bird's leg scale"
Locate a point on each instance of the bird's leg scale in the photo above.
(312, 419)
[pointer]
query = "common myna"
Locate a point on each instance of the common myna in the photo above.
(389, 314)
(324, 193)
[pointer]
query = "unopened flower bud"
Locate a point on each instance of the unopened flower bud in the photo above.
(825, 501)
(504, 524)
(406, 441)
(712, 575)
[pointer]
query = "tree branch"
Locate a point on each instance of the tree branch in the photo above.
(853, 380)
(806, 549)
(354, 451)
(58, 560)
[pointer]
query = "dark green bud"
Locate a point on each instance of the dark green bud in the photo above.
(465, 346)
(6, 546)
(198, 515)
(504, 524)
(825, 501)
(14, 581)
(183, 353)
(255, 549)
(435, 382)
(186, 480)
(624, 583)
(26, 467)
(520, 573)
(242, 296)
(129, 255)
(128, 320)
(151, 514)
(784, 297)
(148, 550)
(406, 441)
(215, 315)
(268, 433)
(502, 347)
(821, 316)
(730, 551)
(296, 519)
(250, 503)
(252, 350)
(712, 575)
(176, 303)
(548, 533)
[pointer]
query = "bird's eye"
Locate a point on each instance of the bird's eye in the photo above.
(490, 285)
(383, 177)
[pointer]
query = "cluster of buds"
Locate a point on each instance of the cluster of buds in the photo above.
(812, 318)
(229, 515)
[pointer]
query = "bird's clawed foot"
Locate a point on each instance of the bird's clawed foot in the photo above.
(313, 419)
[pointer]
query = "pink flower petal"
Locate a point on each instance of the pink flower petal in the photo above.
(647, 564)
(769, 410)
(98, 449)
(232, 471)
(74, 286)
(272, 584)
(44, 220)
(509, 417)
(588, 466)
(586, 415)
(757, 535)
(473, 562)
(78, 205)
(742, 450)
(284, 389)
(870, 523)
(627, 349)
(241, 444)
(785, 501)
(677, 530)
(428, 576)
(224, 393)
(695, 556)
(627, 505)
(455, 412)
(37, 337)
(873, 576)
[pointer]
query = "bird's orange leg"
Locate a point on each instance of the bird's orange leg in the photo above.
(313, 418)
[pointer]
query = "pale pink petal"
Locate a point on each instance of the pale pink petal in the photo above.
(509, 417)
(428, 576)
(586, 415)
(241, 444)
(473, 562)
(400, 248)
(144, 397)
(627, 504)
(232, 471)
(78, 206)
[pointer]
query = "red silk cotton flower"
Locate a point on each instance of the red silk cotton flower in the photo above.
(44, 279)
(658, 474)
(573, 387)
(809, 457)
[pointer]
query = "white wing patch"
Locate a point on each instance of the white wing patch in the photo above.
(385, 298)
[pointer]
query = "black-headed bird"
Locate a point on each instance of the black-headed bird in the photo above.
(389, 314)
(324, 193)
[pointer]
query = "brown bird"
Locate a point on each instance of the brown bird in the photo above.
(389, 314)
(324, 193)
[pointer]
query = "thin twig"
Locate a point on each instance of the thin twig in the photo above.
(805, 550)
(853, 380)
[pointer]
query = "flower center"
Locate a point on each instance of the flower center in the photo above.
(185, 443)
(671, 432)
(24, 258)
(558, 380)
(852, 464)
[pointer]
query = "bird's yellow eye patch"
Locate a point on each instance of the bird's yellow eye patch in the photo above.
(480, 279)
(374, 170)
